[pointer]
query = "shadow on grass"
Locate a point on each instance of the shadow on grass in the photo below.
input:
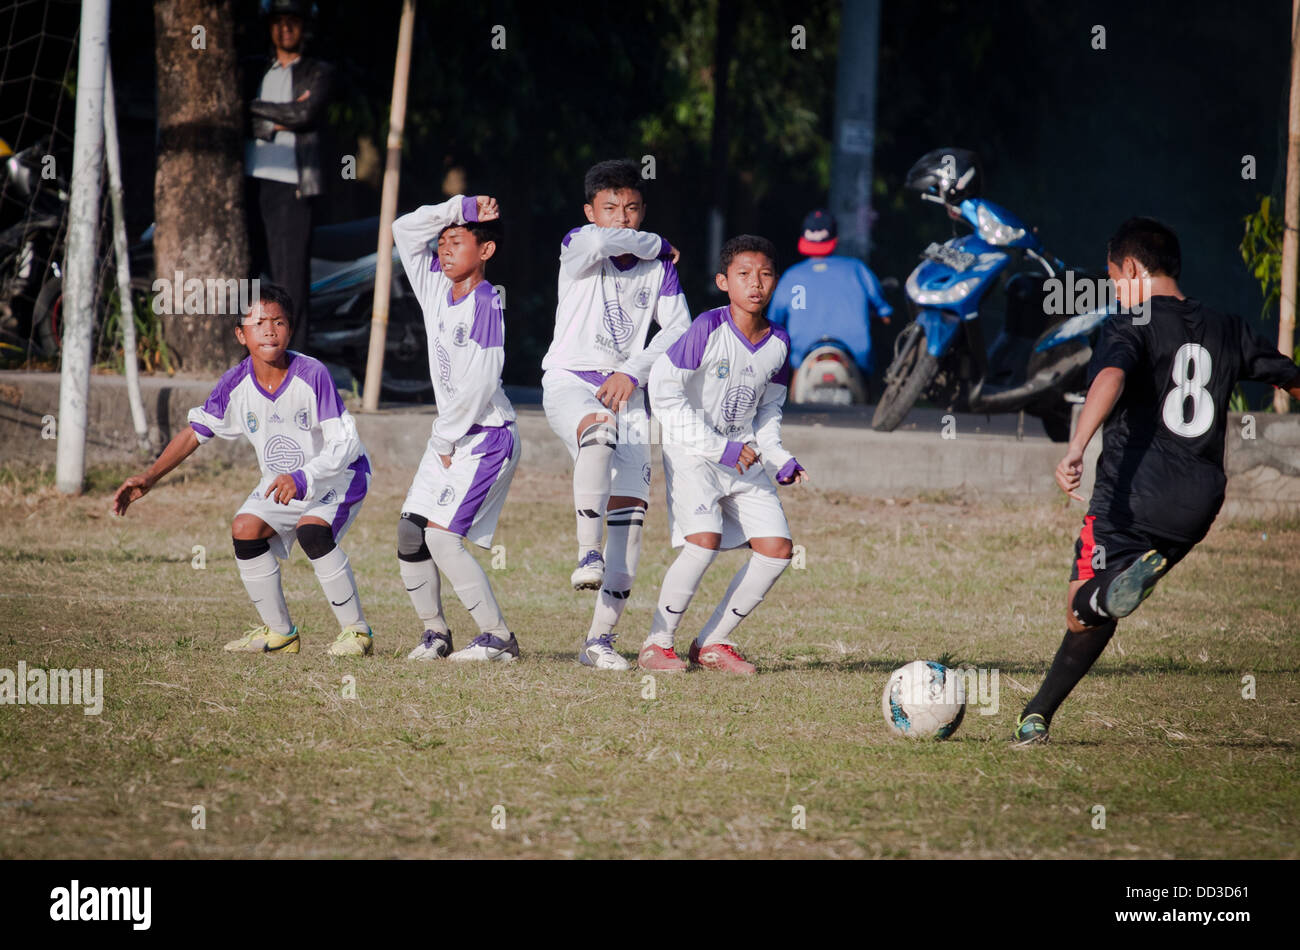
(1128, 668)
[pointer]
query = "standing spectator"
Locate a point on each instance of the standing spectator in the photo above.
(283, 159)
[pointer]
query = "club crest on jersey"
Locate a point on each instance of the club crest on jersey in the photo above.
(737, 402)
(445, 496)
(302, 419)
(617, 323)
(643, 297)
(723, 369)
(460, 334)
(328, 497)
(250, 420)
(645, 473)
(282, 454)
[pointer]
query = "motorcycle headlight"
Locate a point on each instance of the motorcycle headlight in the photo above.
(994, 231)
(950, 294)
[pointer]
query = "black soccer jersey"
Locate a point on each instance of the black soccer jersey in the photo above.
(1161, 464)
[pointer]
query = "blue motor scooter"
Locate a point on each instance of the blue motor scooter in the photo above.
(1037, 363)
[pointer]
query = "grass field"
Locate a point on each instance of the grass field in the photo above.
(580, 762)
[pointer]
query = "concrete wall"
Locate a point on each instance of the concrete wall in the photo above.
(840, 451)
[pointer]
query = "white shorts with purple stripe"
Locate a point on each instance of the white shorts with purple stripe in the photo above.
(466, 498)
(335, 501)
(568, 397)
(706, 497)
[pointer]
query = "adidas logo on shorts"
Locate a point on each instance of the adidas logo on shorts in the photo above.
(702, 510)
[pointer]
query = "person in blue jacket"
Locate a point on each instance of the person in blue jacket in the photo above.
(826, 297)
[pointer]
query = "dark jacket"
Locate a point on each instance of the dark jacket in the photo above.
(303, 119)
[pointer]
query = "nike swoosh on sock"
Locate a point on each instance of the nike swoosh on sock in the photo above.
(408, 590)
(341, 602)
(738, 613)
(671, 611)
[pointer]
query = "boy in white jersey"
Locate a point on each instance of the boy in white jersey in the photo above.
(614, 279)
(717, 394)
(461, 485)
(315, 474)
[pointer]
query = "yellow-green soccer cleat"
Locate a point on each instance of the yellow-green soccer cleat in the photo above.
(265, 640)
(353, 641)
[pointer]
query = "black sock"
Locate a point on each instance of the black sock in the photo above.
(1075, 657)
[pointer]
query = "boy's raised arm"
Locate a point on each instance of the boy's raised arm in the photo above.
(584, 248)
(414, 232)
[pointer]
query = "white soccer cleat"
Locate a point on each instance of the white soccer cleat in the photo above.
(486, 647)
(433, 646)
(590, 573)
(600, 653)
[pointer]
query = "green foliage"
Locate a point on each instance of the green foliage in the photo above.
(1261, 249)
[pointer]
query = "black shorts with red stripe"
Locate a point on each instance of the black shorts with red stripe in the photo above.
(1103, 548)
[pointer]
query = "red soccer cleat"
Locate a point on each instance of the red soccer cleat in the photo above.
(656, 658)
(722, 657)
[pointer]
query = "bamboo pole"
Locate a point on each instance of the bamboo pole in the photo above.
(1291, 216)
(388, 211)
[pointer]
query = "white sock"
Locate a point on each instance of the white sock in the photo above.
(746, 591)
(622, 553)
(467, 580)
(261, 577)
(334, 572)
(422, 583)
(680, 584)
(591, 479)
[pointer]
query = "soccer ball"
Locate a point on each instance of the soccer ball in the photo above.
(924, 700)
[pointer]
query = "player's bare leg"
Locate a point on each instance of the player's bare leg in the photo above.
(260, 571)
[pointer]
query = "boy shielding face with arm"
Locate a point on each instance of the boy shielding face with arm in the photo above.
(460, 487)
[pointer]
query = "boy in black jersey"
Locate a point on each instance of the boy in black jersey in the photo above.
(1161, 380)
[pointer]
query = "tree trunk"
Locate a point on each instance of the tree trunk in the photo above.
(200, 227)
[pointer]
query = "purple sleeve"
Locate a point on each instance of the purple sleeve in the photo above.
(782, 376)
(731, 454)
(201, 429)
(489, 325)
(665, 250)
(671, 286)
(469, 208)
(219, 398)
(315, 375)
(299, 484)
(569, 237)
(688, 351)
(787, 471)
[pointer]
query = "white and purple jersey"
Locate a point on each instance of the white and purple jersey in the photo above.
(302, 429)
(713, 391)
(466, 336)
(613, 282)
